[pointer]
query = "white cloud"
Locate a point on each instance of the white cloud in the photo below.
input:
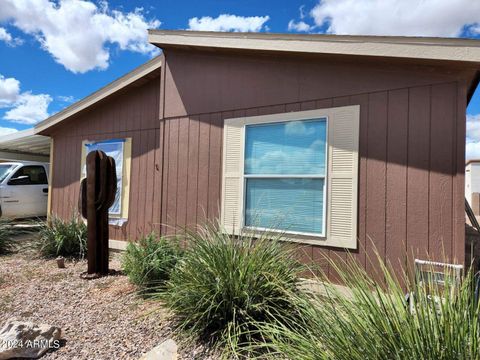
(24, 107)
(393, 17)
(300, 26)
(6, 37)
(301, 10)
(7, 130)
(9, 91)
(473, 137)
(66, 99)
(29, 109)
(77, 32)
(226, 22)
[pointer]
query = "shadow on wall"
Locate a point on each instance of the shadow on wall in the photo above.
(419, 102)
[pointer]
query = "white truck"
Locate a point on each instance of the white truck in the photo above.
(23, 189)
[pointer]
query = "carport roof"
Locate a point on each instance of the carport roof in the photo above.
(25, 142)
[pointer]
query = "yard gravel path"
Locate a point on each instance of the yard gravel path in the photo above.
(100, 319)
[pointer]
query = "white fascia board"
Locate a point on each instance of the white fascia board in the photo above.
(448, 49)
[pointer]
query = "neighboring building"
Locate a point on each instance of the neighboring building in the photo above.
(346, 143)
(472, 179)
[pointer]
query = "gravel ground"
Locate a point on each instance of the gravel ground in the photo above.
(100, 319)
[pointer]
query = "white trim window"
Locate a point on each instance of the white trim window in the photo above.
(285, 167)
(294, 172)
(121, 151)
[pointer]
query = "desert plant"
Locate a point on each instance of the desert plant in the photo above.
(224, 283)
(149, 262)
(66, 238)
(374, 321)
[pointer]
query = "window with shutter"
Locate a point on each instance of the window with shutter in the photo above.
(294, 172)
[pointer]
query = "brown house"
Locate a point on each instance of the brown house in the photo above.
(346, 143)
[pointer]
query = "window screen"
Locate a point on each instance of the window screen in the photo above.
(113, 148)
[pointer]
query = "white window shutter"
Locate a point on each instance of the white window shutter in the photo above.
(343, 140)
(232, 184)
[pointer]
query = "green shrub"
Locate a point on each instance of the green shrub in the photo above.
(66, 238)
(223, 283)
(149, 262)
(375, 322)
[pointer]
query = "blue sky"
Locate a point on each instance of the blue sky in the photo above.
(53, 53)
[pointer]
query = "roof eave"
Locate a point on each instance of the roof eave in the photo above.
(439, 49)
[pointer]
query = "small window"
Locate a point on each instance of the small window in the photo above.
(285, 171)
(34, 175)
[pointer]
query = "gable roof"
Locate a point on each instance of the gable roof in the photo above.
(426, 48)
(106, 91)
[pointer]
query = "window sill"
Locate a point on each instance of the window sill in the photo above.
(317, 240)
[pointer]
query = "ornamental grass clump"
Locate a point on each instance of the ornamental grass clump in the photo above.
(67, 238)
(376, 322)
(149, 262)
(224, 284)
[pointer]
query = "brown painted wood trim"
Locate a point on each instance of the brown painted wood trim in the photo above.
(50, 180)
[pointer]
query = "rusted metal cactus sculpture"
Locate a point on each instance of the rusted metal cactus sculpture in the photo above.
(97, 194)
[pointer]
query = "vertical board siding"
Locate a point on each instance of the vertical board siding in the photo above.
(410, 167)
(376, 180)
(396, 179)
(165, 125)
(203, 169)
(74, 175)
(172, 176)
(158, 180)
(63, 185)
(192, 177)
(132, 114)
(141, 197)
(362, 100)
(458, 241)
(441, 171)
(150, 179)
(182, 173)
(418, 173)
(131, 225)
(402, 182)
(215, 168)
